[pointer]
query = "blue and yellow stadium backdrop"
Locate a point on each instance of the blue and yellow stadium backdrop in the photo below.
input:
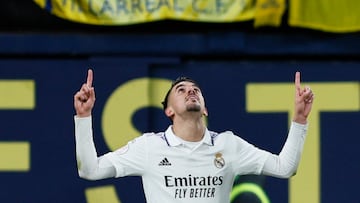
(252, 98)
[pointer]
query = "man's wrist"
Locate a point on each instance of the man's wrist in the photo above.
(300, 119)
(83, 115)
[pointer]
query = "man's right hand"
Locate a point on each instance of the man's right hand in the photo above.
(84, 99)
(303, 101)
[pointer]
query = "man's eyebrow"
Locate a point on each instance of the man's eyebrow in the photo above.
(179, 85)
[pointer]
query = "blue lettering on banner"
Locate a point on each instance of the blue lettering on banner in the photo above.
(121, 6)
(220, 6)
(136, 5)
(106, 7)
(177, 6)
(126, 7)
(150, 6)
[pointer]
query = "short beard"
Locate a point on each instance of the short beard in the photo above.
(193, 108)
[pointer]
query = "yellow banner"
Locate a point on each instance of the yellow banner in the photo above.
(118, 12)
(269, 12)
(331, 16)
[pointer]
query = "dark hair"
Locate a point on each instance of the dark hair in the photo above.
(178, 80)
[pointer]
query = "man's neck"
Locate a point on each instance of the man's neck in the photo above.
(189, 130)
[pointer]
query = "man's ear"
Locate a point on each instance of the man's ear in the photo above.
(206, 112)
(169, 112)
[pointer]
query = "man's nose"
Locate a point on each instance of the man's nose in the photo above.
(191, 90)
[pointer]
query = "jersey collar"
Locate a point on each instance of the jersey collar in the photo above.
(173, 141)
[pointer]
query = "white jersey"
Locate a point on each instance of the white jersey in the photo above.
(175, 172)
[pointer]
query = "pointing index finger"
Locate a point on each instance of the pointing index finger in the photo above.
(297, 80)
(89, 78)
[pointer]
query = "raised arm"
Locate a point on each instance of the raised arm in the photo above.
(286, 163)
(90, 166)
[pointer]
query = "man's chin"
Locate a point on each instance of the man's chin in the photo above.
(193, 108)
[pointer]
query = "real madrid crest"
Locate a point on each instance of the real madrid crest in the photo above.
(219, 160)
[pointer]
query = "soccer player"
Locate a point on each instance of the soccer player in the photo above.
(187, 162)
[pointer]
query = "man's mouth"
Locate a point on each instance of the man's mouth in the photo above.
(192, 98)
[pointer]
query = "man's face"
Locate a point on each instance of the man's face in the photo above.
(186, 97)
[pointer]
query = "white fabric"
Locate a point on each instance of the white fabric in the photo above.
(89, 165)
(202, 174)
(285, 164)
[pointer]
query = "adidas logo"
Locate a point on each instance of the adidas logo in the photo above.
(164, 162)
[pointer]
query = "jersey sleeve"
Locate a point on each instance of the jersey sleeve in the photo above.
(131, 159)
(247, 158)
(286, 163)
(90, 166)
